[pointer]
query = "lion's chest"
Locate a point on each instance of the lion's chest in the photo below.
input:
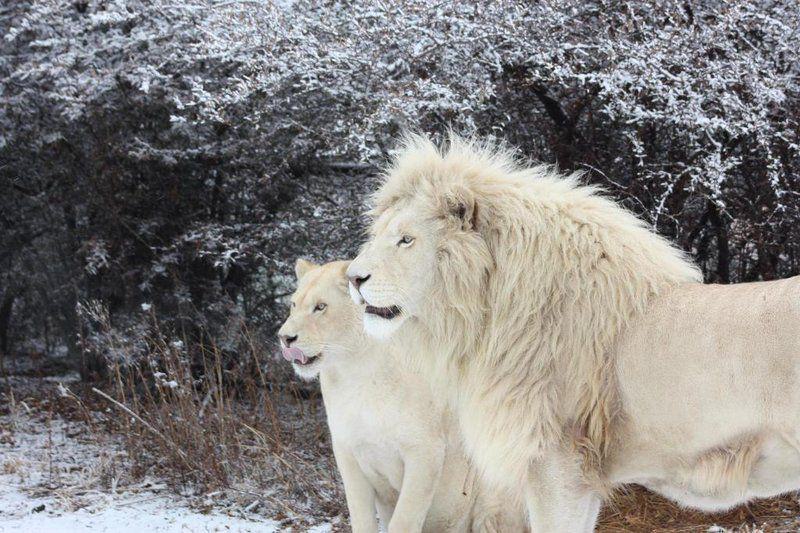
(496, 441)
(382, 466)
(366, 422)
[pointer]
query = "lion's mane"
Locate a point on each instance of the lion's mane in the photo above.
(535, 287)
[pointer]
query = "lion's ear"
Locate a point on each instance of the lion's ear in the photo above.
(460, 204)
(303, 267)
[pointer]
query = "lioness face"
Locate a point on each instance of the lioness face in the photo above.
(395, 271)
(323, 323)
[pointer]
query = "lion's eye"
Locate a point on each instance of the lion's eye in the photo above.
(292, 304)
(320, 307)
(406, 240)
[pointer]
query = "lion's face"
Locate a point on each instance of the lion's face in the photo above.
(395, 273)
(323, 323)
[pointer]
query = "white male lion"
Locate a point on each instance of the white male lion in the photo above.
(395, 449)
(579, 349)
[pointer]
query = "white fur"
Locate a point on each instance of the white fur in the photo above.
(577, 347)
(397, 451)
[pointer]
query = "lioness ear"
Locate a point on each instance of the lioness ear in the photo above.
(303, 267)
(344, 283)
(460, 204)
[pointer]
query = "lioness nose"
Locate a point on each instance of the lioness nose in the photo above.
(358, 280)
(287, 339)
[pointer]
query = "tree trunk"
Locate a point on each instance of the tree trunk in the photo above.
(6, 307)
(723, 252)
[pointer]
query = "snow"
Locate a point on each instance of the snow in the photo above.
(117, 513)
(57, 475)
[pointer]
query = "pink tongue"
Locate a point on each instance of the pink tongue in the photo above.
(294, 354)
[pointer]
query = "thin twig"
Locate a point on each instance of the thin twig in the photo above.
(144, 423)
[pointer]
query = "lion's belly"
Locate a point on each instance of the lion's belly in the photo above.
(759, 465)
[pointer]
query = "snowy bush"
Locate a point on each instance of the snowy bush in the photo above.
(184, 153)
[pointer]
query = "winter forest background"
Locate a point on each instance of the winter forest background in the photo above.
(164, 162)
(183, 154)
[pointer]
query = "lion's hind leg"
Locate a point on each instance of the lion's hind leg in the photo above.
(778, 468)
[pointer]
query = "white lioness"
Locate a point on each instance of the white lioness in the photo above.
(394, 447)
(579, 349)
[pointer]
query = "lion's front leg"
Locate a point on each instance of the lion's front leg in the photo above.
(423, 469)
(558, 500)
(359, 493)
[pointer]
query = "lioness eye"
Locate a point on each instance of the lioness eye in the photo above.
(320, 307)
(406, 240)
(292, 304)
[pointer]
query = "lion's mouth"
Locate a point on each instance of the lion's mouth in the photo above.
(384, 312)
(307, 361)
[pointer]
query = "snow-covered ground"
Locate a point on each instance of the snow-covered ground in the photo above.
(64, 473)
(117, 513)
(60, 476)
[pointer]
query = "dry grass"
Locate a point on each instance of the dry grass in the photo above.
(54, 447)
(209, 425)
(638, 510)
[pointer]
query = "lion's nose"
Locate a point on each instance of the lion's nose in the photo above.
(287, 339)
(358, 280)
